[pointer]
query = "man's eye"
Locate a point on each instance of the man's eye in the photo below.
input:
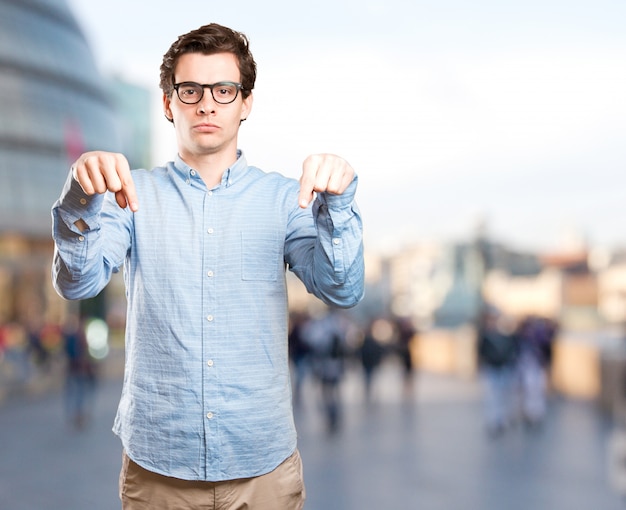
(225, 91)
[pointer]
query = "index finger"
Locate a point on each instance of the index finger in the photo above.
(127, 195)
(306, 192)
(307, 181)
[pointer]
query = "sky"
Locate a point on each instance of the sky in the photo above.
(510, 115)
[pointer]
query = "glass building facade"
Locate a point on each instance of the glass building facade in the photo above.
(55, 106)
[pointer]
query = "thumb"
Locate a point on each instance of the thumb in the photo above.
(120, 198)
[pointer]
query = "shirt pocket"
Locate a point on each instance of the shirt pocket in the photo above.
(261, 256)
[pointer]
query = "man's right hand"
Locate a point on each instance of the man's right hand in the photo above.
(98, 172)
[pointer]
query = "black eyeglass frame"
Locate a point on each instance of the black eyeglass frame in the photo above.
(209, 86)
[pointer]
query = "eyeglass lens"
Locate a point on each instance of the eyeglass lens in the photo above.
(192, 93)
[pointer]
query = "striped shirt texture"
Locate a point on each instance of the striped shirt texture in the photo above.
(206, 392)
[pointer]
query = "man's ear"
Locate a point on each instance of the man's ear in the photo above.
(167, 111)
(246, 107)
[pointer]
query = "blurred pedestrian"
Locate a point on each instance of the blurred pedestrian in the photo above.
(536, 337)
(38, 353)
(498, 352)
(16, 352)
(406, 338)
(80, 378)
(3, 340)
(299, 353)
(206, 410)
(326, 336)
(371, 353)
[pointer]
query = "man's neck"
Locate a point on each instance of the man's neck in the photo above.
(211, 167)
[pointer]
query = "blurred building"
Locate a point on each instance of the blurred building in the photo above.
(133, 105)
(56, 105)
(441, 287)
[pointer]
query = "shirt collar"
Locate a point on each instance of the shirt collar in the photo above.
(231, 175)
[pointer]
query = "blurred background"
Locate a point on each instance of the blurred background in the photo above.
(489, 139)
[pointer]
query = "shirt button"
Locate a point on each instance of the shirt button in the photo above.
(209, 415)
(209, 273)
(187, 181)
(81, 238)
(83, 201)
(336, 241)
(210, 193)
(210, 231)
(193, 172)
(209, 318)
(210, 363)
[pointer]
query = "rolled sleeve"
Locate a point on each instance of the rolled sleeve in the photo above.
(332, 269)
(80, 268)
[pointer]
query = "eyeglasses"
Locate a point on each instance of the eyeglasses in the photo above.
(223, 92)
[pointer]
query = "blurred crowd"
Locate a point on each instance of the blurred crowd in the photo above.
(26, 348)
(514, 358)
(49, 355)
(325, 345)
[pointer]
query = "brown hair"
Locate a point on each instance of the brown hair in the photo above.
(208, 40)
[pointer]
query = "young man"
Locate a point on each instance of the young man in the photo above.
(205, 415)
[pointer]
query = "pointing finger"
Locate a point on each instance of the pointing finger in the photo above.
(307, 183)
(127, 194)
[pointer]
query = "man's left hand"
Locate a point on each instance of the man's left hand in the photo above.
(323, 173)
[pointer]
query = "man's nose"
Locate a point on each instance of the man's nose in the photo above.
(207, 103)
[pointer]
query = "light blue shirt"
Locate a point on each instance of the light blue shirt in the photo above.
(206, 392)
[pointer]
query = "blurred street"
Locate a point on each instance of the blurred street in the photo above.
(429, 452)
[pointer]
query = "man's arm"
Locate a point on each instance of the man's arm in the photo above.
(85, 253)
(329, 258)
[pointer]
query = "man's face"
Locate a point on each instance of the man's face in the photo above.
(207, 127)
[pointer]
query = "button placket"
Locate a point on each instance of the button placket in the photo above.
(211, 310)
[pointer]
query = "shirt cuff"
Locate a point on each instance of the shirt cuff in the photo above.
(76, 205)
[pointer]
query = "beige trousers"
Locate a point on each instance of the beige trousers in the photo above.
(281, 489)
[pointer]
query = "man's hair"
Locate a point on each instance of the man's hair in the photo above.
(208, 40)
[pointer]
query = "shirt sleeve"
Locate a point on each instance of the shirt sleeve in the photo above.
(328, 256)
(91, 238)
